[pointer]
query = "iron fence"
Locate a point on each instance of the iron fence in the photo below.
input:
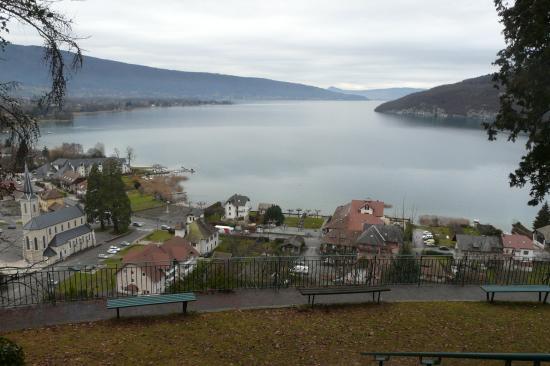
(23, 287)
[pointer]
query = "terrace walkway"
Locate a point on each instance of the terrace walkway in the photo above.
(86, 311)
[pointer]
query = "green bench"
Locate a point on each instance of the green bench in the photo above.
(127, 302)
(490, 290)
(311, 292)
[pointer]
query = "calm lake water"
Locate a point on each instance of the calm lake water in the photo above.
(317, 155)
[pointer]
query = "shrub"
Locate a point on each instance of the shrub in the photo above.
(11, 353)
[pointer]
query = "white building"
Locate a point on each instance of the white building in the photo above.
(50, 237)
(203, 237)
(520, 247)
(237, 207)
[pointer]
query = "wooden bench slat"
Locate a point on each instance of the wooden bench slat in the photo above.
(149, 300)
(340, 290)
(515, 288)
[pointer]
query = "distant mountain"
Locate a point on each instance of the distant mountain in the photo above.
(378, 94)
(112, 79)
(474, 98)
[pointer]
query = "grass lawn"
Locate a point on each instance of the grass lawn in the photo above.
(140, 202)
(159, 235)
(309, 222)
(325, 336)
(244, 247)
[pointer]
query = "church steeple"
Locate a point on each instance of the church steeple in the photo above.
(27, 184)
(29, 201)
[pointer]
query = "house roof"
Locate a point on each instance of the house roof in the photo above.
(55, 217)
(70, 176)
(175, 249)
(51, 194)
(380, 235)
(516, 241)
(56, 206)
(65, 236)
(238, 200)
(473, 243)
(199, 230)
(545, 231)
(349, 216)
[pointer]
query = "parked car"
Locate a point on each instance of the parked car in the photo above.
(429, 241)
(300, 269)
(427, 236)
(124, 244)
(74, 268)
(164, 227)
(446, 249)
(12, 226)
(112, 251)
(138, 224)
(102, 255)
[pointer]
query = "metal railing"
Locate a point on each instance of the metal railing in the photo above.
(22, 287)
(436, 358)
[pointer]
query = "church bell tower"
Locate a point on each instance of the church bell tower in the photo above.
(29, 201)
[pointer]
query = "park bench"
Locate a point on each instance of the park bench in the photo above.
(490, 290)
(311, 292)
(127, 302)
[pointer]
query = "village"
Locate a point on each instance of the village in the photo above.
(45, 226)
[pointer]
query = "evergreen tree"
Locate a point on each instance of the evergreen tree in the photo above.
(404, 268)
(274, 213)
(95, 204)
(543, 217)
(115, 196)
(523, 78)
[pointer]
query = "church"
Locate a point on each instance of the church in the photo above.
(52, 236)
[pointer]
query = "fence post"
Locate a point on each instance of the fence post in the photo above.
(420, 271)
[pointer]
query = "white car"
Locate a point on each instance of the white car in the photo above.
(300, 269)
(112, 251)
(102, 255)
(429, 242)
(426, 232)
(427, 236)
(124, 244)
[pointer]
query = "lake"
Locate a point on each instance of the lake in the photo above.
(317, 155)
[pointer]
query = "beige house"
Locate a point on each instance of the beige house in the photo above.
(50, 198)
(153, 269)
(50, 237)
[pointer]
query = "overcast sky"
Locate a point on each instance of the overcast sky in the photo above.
(345, 43)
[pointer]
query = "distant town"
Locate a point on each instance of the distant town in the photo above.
(48, 222)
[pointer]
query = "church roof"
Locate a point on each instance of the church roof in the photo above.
(65, 236)
(52, 218)
(27, 184)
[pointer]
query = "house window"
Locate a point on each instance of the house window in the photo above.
(75, 223)
(35, 244)
(28, 243)
(68, 225)
(50, 231)
(525, 252)
(143, 273)
(25, 208)
(81, 221)
(55, 228)
(34, 207)
(61, 227)
(44, 242)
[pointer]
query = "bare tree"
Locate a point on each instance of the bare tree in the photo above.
(130, 155)
(55, 30)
